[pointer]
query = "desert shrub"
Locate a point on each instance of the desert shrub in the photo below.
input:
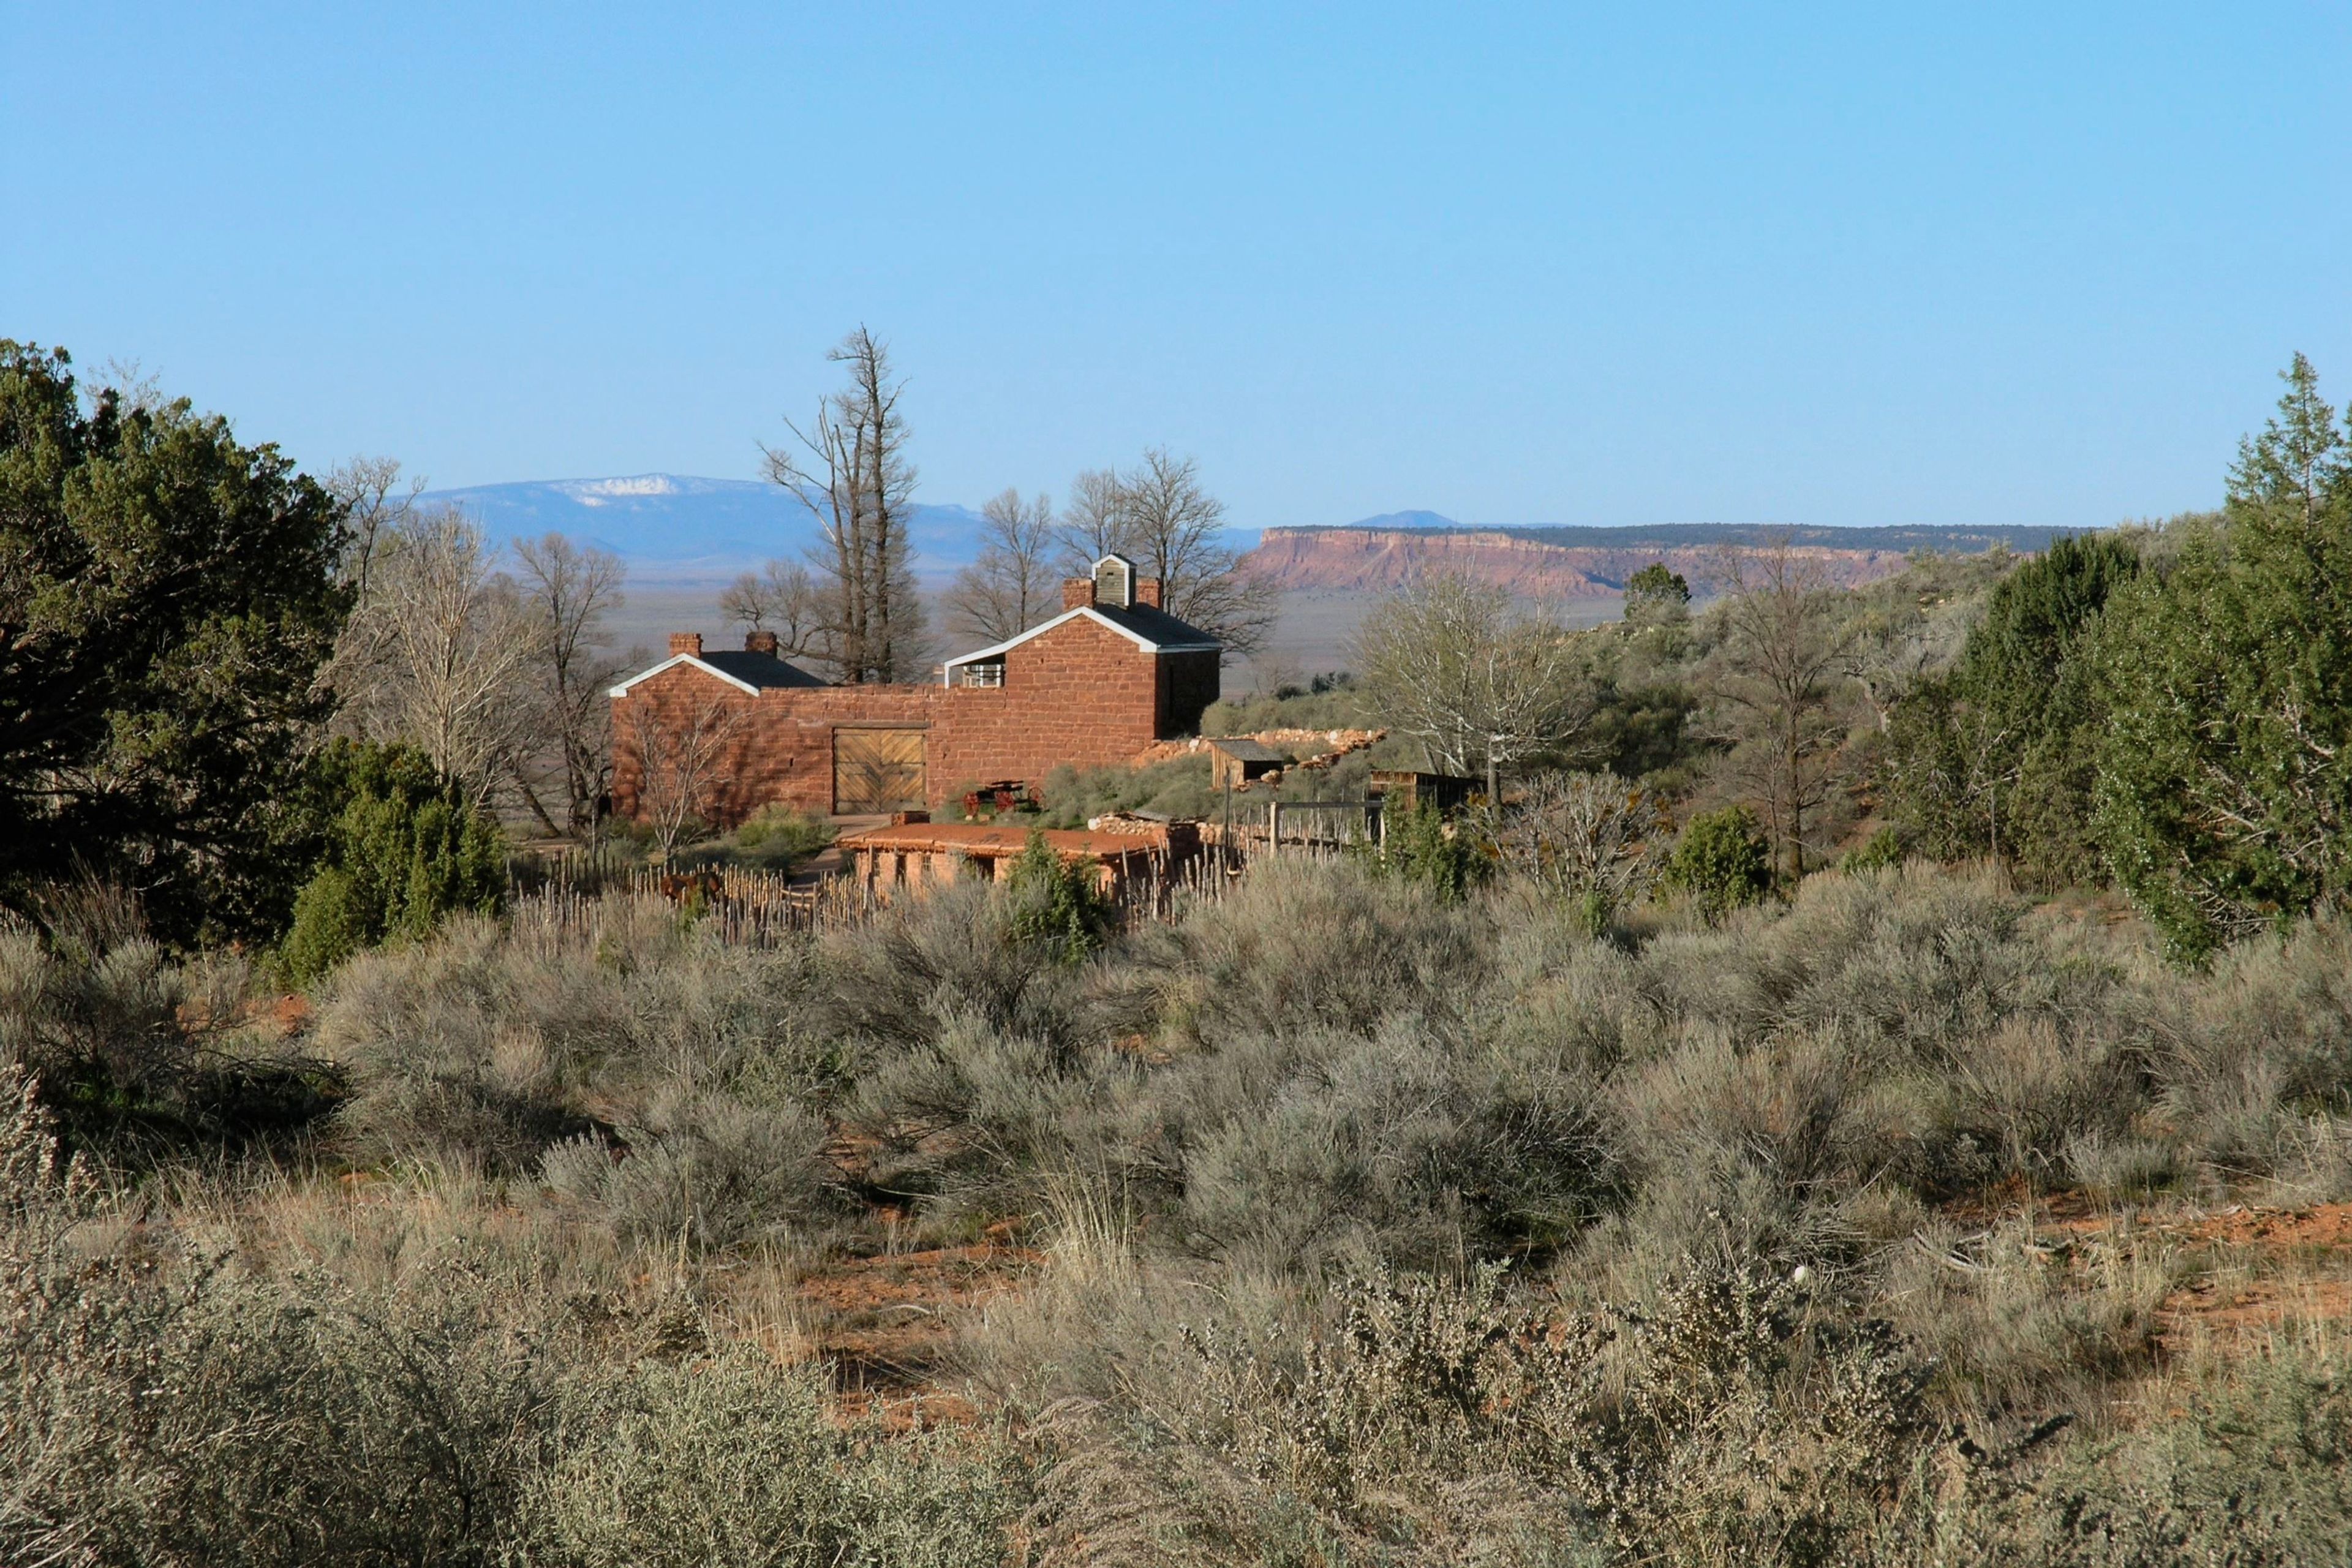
(1721, 861)
(2250, 1472)
(977, 1118)
(157, 1407)
(1406, 1148)
(1426, 1417)
(711, 1173)
(923, 964)
(1304, 943)
(2251, 1054)
(141, 1053)
(736, 1461)
(405, 850)
(486, 1044)
(2020, 1331)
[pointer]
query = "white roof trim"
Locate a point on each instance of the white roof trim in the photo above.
(1138, 638)
(672, 662)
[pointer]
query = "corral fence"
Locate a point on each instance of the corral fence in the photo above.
(566, 890)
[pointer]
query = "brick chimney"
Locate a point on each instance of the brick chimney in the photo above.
(1147, 592)
(760, 642)
(689, 643)
(1078, 592)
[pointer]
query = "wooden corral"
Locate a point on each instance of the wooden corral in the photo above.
(916, 857)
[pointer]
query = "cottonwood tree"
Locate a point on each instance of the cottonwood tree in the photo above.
(1171, 525)
(1012, 585)
(570, 593)
(1160, 516)
(853, 474)
(785, 599)
(441, 654)
(375, 500)
(1775, 679)
(679, 756)
(1482, 685)
(1094, 522)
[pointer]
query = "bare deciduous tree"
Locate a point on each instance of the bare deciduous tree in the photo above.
(854, 476)
(1158, 515)
(1449, 661)
(679, 758)
(1171, 526)
(1773, 679)
(1094, 523)
(569, 593)
(1586, 834)
(376, 502)
(440, 654)
(1012, 586)
(785, 599)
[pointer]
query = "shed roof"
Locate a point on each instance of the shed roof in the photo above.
(1241, 748)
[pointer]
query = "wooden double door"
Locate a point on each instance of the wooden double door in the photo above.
(876, 772)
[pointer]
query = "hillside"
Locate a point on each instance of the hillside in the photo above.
(1589, 563)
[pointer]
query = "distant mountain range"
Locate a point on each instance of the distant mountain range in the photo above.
(680, 527)
(1564, 563)
(688, 530)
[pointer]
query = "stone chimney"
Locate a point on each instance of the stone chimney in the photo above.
(688, 643)
(1078, 592)
(1147, 592)
(760, 642)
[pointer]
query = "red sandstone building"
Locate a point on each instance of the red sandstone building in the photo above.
(1097, 684)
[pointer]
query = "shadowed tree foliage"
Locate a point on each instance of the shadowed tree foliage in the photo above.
(2000, 755)
(167, 596)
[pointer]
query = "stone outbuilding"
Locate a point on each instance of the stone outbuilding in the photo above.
(1093, 686)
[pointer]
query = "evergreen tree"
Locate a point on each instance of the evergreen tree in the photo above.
(406, 848)
(167, 596)
(2224, 789)
(1998, 756)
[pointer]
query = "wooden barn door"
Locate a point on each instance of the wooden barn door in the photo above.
(876, 771)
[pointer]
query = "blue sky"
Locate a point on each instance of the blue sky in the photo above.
(1986, 264)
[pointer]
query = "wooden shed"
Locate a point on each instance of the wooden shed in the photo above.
(1234, 762)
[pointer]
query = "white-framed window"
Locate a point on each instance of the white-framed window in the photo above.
(989, 673)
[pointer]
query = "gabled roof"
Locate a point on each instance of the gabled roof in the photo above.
(752, 673)
(1153, 631)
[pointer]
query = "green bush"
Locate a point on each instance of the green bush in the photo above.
(1055, 904)
(1721, 861)
(406, 848)
(1882, 851)
(1436, 851)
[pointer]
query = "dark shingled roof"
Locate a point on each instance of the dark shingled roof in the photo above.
(1155, 626)
(761, 669)
(1243, 749)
